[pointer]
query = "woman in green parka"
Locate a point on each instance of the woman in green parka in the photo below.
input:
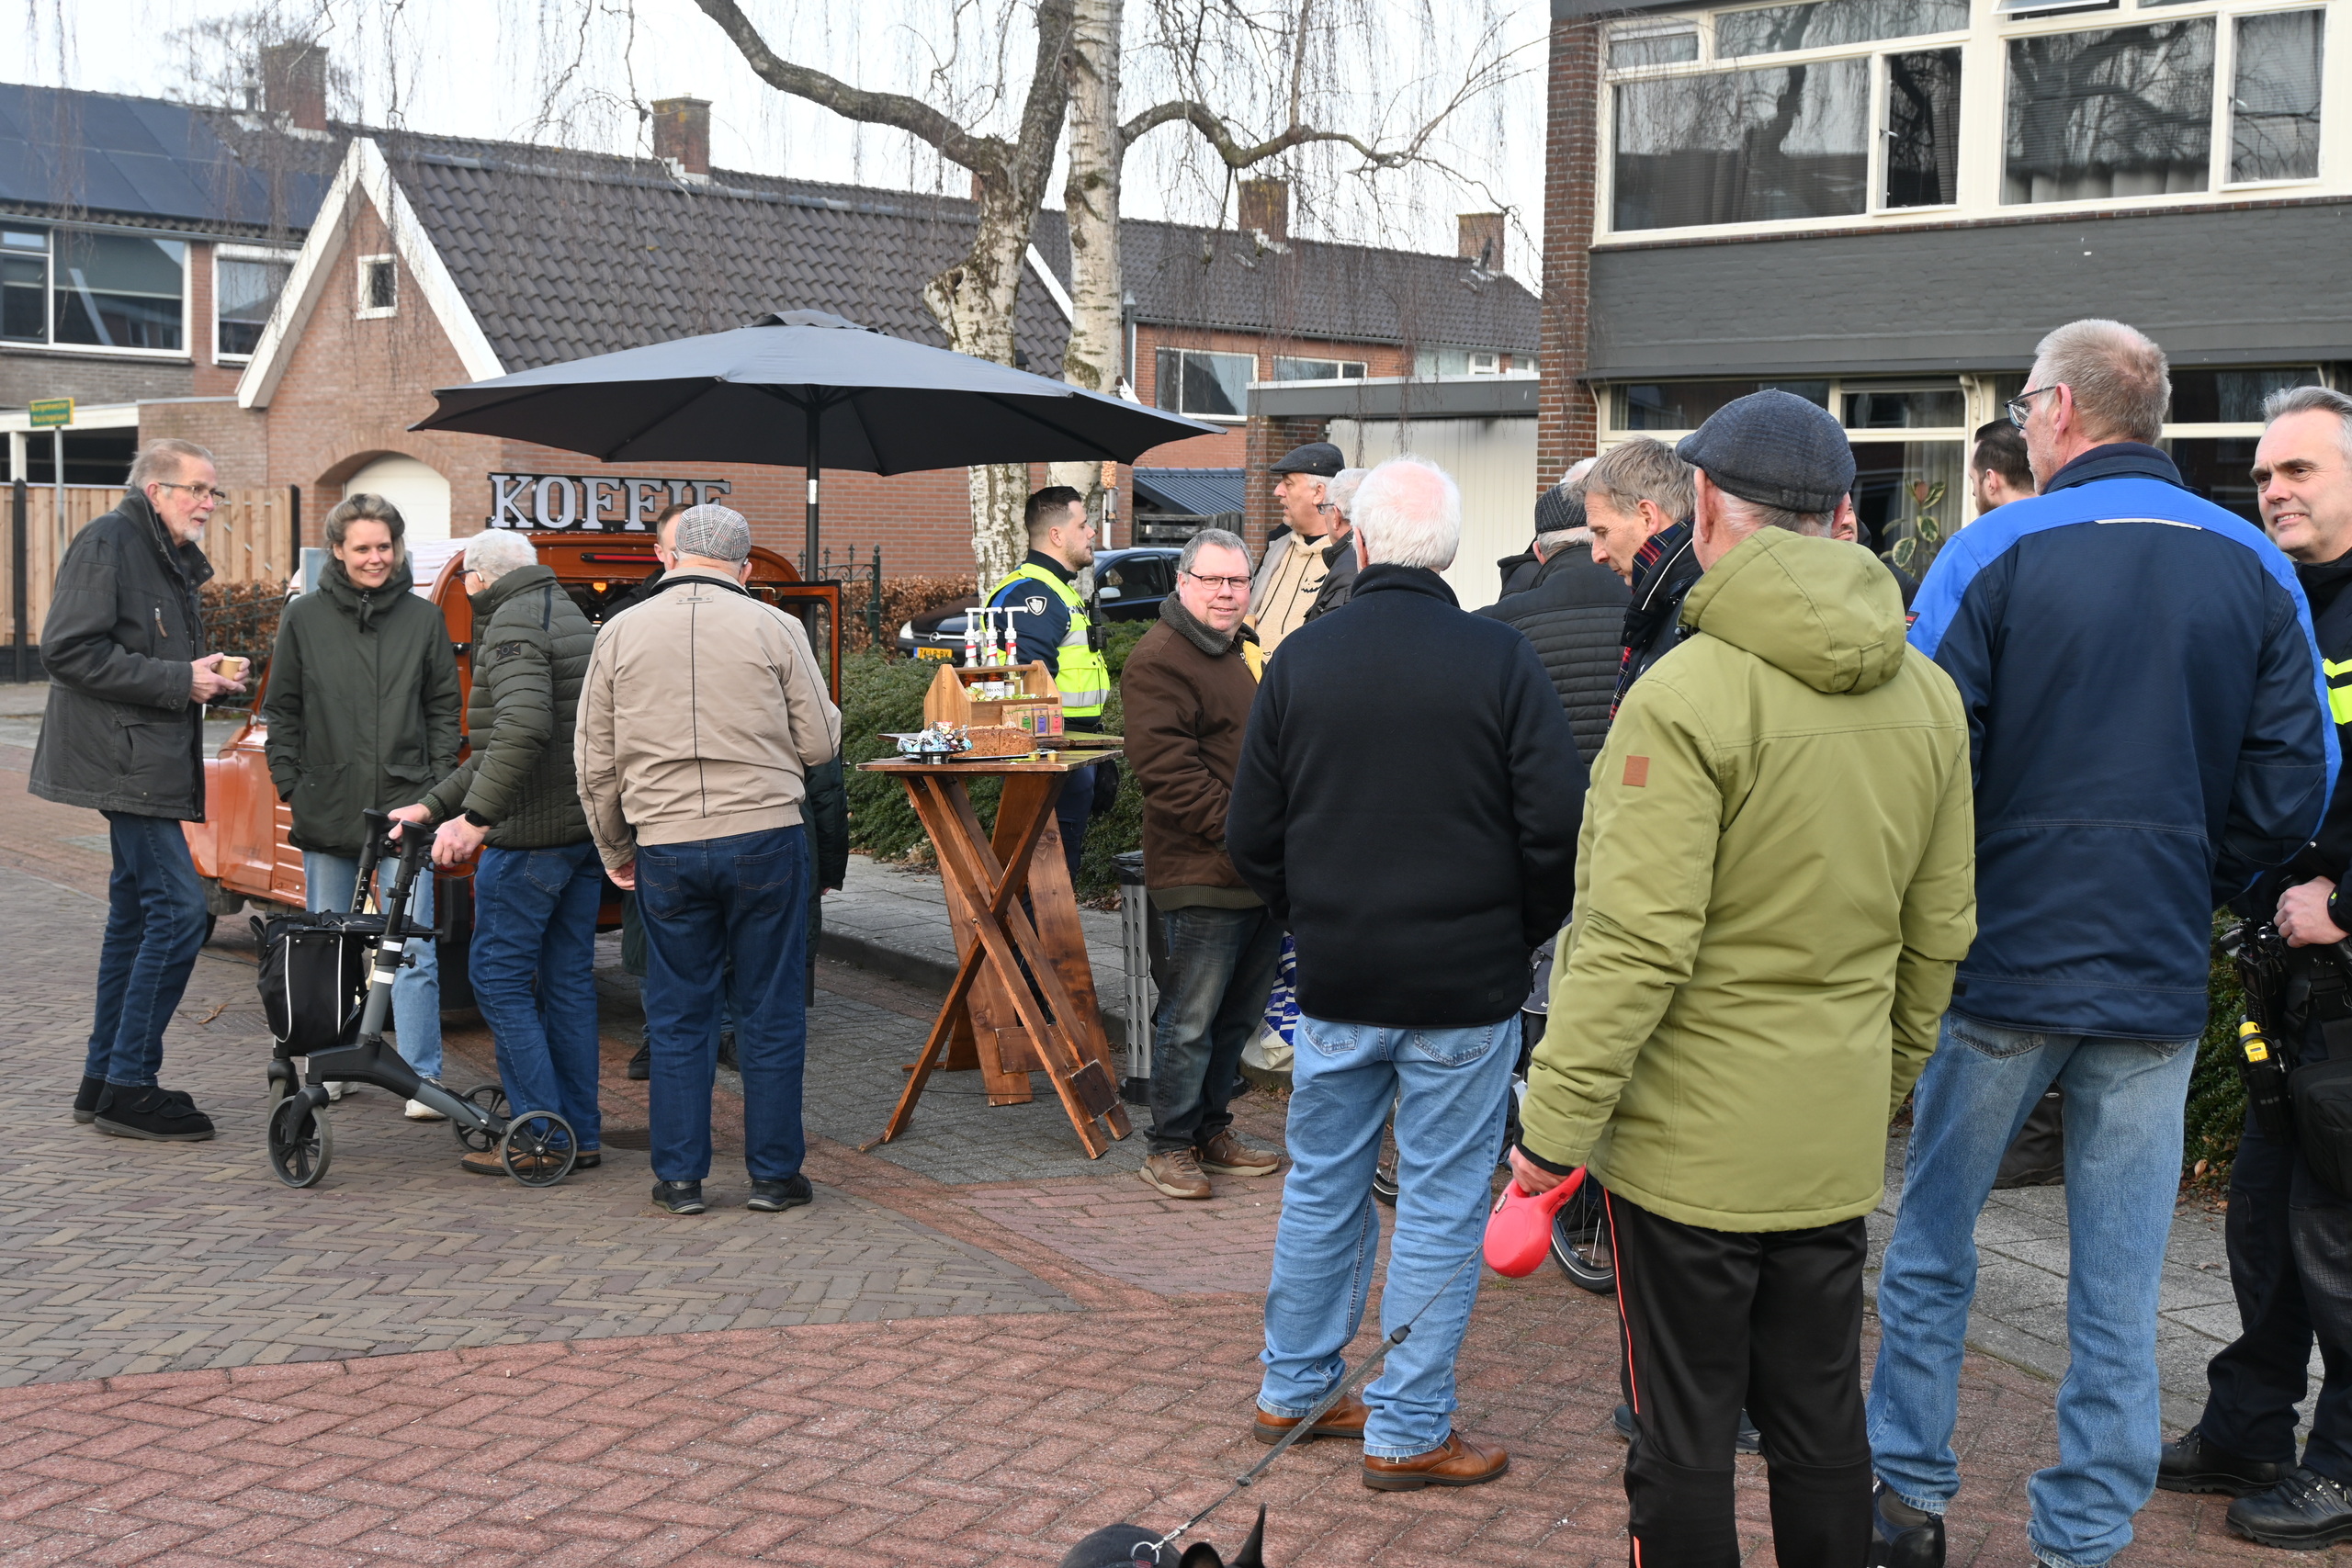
(363, 711)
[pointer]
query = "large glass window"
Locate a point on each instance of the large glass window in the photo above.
(1287, 368)
(118, 290)
(24, 284)
(1904, 407)
(2122, 112)
(2218, 469)
(1899, 485)
(2274, 108)
(1922, 128)
(1685, 405)
(1742, 146)
(244, 290)
(2231, 396)
(1203, 385)
(1775, 29)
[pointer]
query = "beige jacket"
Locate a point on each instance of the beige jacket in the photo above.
(1288, 581)
(702, 710)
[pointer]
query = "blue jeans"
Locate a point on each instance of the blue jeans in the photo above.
(154, 929)
(327, 882)
(1221, 965)
(1448, 1085)
(745, 897)
(2123, 1132)
(535, 927)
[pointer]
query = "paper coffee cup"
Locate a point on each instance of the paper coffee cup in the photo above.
(233, 669)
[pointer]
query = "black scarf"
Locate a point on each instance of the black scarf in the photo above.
(1664, 568)
(1190, 627)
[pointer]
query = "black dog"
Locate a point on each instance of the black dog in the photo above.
(1114, 1546)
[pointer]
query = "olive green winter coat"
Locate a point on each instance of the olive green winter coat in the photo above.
(1775, 881)
(362, 705)
(531, 646)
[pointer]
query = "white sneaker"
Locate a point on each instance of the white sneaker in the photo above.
(419, 1112)
(334, 1092)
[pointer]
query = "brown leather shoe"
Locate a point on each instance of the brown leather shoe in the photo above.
(1344, 1419)
(1228, 1156)
(1462, 1461)
(1176, 1173)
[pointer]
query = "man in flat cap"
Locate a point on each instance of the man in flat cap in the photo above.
(1302, 552)
(1773, 884)
(701, 718)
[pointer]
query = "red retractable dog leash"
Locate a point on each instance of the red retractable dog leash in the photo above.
(1519, 1231)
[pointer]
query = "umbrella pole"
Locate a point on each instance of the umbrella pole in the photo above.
(809, 546)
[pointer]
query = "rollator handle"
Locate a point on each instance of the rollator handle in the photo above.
(1519, 1232)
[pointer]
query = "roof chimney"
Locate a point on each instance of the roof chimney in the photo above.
(294, 83)
(1480, 238)
(682, 136)
(1265, 208)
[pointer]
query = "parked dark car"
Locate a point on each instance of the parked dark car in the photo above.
(1129, 586)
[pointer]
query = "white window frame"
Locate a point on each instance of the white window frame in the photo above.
(185, 354)
(222, 253)
(1234, 419)
(1984, 105)
(1362, 366)
(360, 309)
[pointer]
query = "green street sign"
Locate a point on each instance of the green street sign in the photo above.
(48, 414)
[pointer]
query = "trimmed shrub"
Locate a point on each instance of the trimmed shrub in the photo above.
(2216, 1109)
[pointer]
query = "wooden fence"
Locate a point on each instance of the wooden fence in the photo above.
(249, 539)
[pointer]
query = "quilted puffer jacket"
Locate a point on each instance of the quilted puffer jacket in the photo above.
(1574, 615)
(531, 646)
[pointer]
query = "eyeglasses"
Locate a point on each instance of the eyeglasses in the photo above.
(2021, 405)
(220, 497)
(1234, 584)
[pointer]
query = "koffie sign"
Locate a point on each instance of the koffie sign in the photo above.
(591, 503)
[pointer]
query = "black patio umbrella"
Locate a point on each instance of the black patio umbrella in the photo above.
(802, 387)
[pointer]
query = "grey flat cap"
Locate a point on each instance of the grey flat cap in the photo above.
(1775, 449)
(1319, 458)
(715, 533)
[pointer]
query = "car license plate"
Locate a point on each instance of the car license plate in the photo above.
(939, 655)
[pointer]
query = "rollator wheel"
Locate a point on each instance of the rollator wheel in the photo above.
(539, 1149)
(281, 1083)
(1578, 1231)
(493, 1102)
(302, 1143)
(1384, 1185)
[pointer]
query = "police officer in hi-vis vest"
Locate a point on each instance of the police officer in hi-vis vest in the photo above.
(1053, 629)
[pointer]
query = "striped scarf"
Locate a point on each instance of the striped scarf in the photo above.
(1664, 569)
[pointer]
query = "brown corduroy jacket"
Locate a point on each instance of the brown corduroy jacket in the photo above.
(1185, 712)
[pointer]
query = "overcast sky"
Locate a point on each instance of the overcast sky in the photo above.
(571, 71)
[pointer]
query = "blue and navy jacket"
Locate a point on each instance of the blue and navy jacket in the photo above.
(2148, 717)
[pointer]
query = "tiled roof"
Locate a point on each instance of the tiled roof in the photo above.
(1198, 492)
(146, 160)
(562, 254)
(1310, 289)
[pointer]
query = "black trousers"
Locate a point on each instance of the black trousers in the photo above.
(1716, 1319)
(2291, 1266)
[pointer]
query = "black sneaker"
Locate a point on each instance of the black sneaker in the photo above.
(640, 1066)
(85, 1100)
(2189, 1463)
(679, 1197)
(1901, 1536)
(2302, 1513)
(1747, 1442)
(774, 1197)
(165, 1115)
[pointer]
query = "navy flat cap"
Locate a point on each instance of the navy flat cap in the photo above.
(1318, 458)
(1775, 449)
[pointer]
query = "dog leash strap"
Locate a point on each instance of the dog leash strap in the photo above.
(1346, 1386)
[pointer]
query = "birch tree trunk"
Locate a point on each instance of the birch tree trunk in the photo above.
(1090, 199)
(973, 302)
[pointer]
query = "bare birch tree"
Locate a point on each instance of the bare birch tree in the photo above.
(973, 299)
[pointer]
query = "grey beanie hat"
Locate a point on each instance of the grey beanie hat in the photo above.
(1775, 449)
(715, 533)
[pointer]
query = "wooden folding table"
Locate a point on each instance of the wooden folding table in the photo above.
(1024, 996)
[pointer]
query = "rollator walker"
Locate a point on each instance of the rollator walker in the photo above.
(328, 1002)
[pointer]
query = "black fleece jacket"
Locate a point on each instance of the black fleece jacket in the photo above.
(1407, 804)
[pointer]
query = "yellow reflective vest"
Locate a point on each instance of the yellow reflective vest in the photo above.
(1081, 674)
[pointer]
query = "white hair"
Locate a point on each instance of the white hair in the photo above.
(495, 552)
(2123, 386)
(1341, 492)
(1409, 512)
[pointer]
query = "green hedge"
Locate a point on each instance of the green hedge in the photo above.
(880, 694)
(2216, 1095)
